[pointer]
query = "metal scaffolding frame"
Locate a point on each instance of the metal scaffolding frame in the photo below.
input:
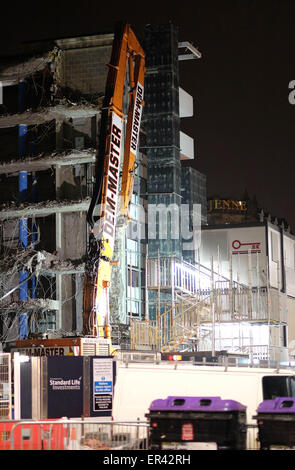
(203, 303)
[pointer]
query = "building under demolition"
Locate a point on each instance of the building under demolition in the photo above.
(49, 126)
(214, 279)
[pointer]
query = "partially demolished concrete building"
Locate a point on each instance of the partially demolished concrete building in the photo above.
(49, 126)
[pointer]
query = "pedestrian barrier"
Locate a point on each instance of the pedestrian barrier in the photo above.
(71, 434)
(32, 435)
(111, 435)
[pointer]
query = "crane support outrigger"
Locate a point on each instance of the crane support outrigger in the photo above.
(127, 60)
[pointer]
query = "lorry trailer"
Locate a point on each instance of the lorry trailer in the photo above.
(138, 384)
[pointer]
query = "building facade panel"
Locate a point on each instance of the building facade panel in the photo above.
(246, 246)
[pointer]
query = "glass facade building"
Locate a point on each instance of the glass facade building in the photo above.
(168, 184)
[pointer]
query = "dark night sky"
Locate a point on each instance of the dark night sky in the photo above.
(243, 124)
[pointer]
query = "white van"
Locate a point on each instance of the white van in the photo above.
(137, 385)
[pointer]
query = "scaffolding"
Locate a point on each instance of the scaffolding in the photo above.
(210, 312)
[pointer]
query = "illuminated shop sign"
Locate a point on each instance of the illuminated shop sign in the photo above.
(226, 204)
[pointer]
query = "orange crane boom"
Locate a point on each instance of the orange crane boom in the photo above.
(127, 60)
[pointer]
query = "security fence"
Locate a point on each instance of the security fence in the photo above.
(65, 434)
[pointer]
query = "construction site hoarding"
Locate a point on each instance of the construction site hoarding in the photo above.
(58, 386)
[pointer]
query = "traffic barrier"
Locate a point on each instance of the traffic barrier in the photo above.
(31, 435)
(85, 434)
(65, 434)
(24, 437)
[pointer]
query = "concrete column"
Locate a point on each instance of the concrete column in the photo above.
(58, 232)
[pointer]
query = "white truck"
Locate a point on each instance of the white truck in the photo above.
(138, 384)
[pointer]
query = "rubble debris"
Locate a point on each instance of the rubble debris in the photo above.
(44, 161)
(52, 262)
(27, 305)
(36, 262)
(17, 71)
(16, 205)
(43, 115)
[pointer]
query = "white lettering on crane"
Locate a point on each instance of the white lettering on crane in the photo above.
(43, 351)
(112, 180)
(136, 118)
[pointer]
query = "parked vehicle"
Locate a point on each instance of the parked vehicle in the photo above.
(138, 384)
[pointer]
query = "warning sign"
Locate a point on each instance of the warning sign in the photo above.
(102, 402)
(102, 384)
(103, 387)
(187, 432)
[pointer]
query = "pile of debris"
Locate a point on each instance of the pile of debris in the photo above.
(51, 262)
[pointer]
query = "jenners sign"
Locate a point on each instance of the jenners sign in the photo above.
(226, 204)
